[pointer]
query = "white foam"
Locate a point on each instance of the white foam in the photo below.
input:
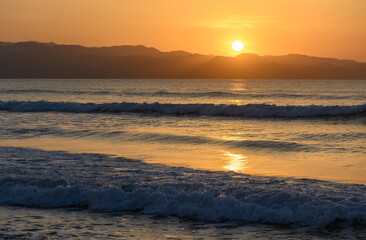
(98, 182)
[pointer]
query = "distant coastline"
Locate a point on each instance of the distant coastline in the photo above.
(50, 60)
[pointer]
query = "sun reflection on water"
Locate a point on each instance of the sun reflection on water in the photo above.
(238, 85)
(235, 162)
(237, 102)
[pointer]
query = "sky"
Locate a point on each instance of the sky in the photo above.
(325, 28)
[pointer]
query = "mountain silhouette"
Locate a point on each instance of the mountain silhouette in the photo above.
(50, 60)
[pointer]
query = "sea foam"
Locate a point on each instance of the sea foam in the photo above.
(35, 178)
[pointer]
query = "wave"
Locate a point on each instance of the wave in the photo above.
(248, 110)
(104, 183)
(49, 91)
(246, 95)
(173, 138)
(333, 137)
(292, 145)
(211, 94)
(153, 137)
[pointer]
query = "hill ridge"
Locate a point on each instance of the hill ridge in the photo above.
(50, 60)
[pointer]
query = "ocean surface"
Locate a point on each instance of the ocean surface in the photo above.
(182, 159)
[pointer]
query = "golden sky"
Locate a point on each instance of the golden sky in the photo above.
(326, 28)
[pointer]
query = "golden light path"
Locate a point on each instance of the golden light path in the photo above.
(235, 162)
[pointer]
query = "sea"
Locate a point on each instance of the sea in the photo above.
(182, 159)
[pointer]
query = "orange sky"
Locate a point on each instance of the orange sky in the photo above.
(327, 28)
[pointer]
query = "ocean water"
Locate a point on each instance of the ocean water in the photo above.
(182, 159)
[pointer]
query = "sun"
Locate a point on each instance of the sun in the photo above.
(237, 45)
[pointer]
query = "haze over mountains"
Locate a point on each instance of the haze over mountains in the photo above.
(50, 60)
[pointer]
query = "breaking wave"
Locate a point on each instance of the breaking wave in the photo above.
(104, 183)
(249, 110)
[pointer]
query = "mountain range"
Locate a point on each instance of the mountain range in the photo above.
(50, 60)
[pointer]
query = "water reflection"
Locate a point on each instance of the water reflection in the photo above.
(235, 162)
(238, 137)
(238, 85)
(237, 102)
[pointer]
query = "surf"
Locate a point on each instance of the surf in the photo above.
(247, 110)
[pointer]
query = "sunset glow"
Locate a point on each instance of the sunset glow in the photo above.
(327, 28)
